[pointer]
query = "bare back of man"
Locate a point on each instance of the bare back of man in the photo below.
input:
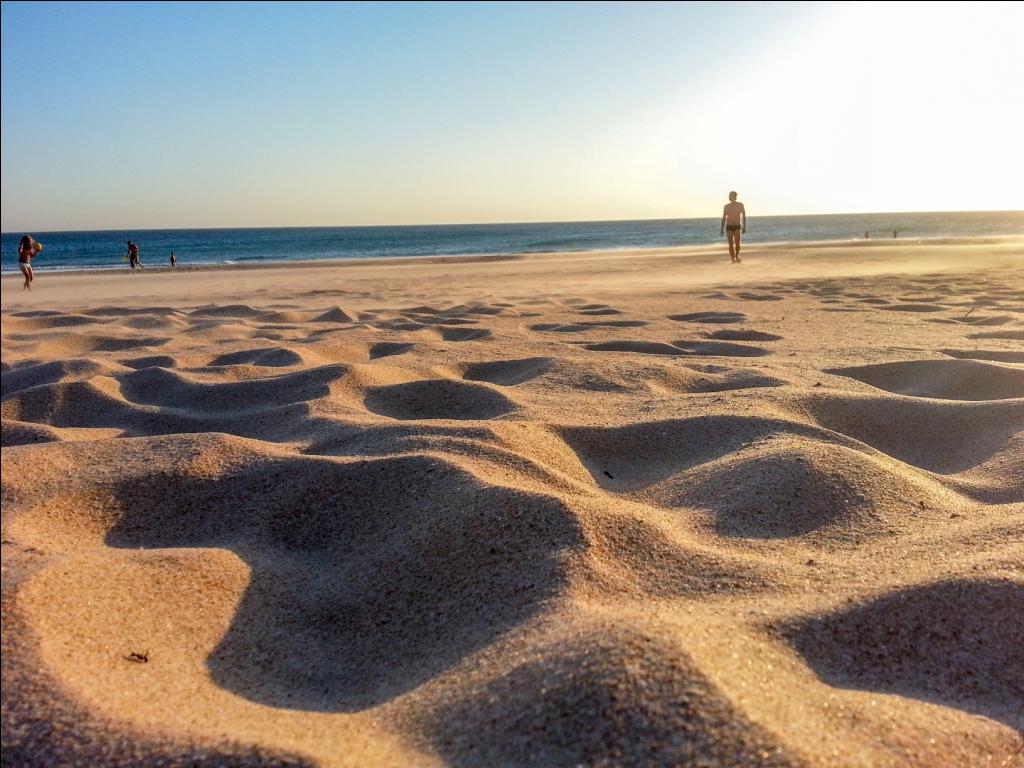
(734, 224)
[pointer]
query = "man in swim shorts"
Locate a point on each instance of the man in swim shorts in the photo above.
(734, 223)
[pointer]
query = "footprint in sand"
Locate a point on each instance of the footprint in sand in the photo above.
(1003, 334)
(598, 309)
(928, 430)
(640, 347)
(741, 335)
(944, 379)
(584, 325)
(115, 344)
(388, 348)
(747, 296)
(274, 357)
(428, 321)
(911, 641)
(996, 355)
(710, 317)
(720, 349)
(153, 361)
(447, 332)
(915, 308)
(464, 334)
(437, 399)
(508, 373)
(680, 348)
(38, 321)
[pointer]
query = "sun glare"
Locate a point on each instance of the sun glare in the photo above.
(871, 107)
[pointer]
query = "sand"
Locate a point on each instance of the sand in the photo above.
(633, 508)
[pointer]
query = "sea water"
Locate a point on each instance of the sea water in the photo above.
(193, 247)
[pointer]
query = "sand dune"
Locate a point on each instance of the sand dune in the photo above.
(586, 509)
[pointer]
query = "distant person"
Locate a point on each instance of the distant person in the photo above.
(173, 260)
(867, 235)
(734, 223)
(133, 255)
(27, 248)
(895, 233)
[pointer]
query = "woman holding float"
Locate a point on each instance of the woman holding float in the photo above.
(27, 248)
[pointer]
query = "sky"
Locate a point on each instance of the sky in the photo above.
(166, 115)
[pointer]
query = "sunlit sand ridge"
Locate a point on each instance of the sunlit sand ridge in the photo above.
(600, 509)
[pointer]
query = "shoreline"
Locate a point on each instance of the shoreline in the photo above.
(451, 280)
(478, 258)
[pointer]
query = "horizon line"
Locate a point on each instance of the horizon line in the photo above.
(510, 223)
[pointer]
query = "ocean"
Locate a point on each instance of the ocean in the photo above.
(195, 247)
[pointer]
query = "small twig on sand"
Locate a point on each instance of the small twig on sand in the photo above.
(969, 311)
(138, 658)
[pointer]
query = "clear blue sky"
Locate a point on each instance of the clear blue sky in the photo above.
(235, 114)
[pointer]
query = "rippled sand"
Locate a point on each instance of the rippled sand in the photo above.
(603, 509)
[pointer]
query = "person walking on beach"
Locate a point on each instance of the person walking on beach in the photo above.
(734, 222)
(173, 260)
(133, 255)
(27, 248)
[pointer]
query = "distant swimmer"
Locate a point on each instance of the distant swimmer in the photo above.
(734, 223)
(174, 261)
(27, 248)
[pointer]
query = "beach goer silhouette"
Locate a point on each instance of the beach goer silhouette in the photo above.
(173, 260)
(133, 255)
(734, 223)
(27, 248)
(895, 232)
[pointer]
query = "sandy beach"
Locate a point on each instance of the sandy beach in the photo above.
(611, 508)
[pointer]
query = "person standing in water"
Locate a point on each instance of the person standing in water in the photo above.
(734, 223)
(27, 248)
(173, 260)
